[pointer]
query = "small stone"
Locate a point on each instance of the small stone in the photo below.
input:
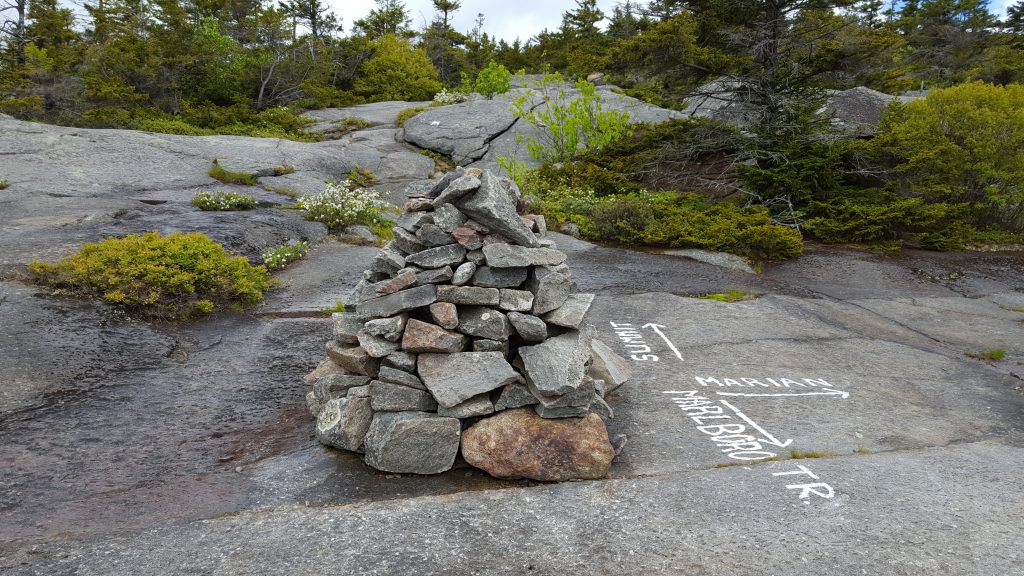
(389, 260)
(388, 328)
(376, 346)
(468, 237)
(326, 367)
(550, 289)
(601, 408)
(484, 345)
(571, 313)
(399, 302)
(468, 295)
(337, 386)
(434, 276)
(519, 444)
(359, 391)
(423, 337)
(474, 225)
(561, 411)
(495, 239)
(514, 395)
(457, 189)
(412, 442)
(413, 269)
(404, 361)
(345, 327)
(488, 277)
(608, 366)
(387, 397)
(581, 397)
(417, 205)
(479, 405)
(448, 218)
(313, 405)
(401, 281)
(475, 172)
(354, 360)
(445, 315)
(463, 274)
(476, 257)
(444, 182)
(495, 206)
(540, 224)
(556, 366)
(395, 376)
(509, 256)
(455, 378)
(432, 236)
(570, 229)
(547, 243)
(438, 257)
(515, 300)
(411, 221)
(407, 242)
(484, 323)
(344, 422)
(530, 328)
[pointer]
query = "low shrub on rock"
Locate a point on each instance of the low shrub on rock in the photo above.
(341, 204)
(223, 201)
(278, 257)
(174, 276)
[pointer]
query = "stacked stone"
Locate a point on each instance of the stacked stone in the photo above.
(468, 312)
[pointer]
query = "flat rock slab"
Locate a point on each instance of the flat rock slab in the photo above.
(374, 114)
(556, 366)
(455, 378)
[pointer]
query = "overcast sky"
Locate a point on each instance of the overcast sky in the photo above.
(507, 19)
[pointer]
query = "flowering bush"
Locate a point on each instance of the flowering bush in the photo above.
(223, 201)
(342, 203)
(279, 257)
(444, 97)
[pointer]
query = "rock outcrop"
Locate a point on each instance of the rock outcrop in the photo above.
(468, 312)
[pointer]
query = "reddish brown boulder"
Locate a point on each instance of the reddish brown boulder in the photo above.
(520, 444)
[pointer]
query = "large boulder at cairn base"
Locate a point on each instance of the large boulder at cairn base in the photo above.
(520, 444)
(412, 442)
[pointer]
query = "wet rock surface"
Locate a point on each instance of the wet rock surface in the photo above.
(132, 448)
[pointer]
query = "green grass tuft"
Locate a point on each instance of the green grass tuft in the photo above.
(730, 296)
(217, 172)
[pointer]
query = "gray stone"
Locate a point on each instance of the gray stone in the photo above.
(431, 235)
(424, 337)
(601, 408)
(540, 224)
(337, 386)
(360, 231)
(457, 189)
(495, 239)
(412, 442)
(484, 345)
(443, 183)
(455, 378)
(404, 361)
(514, 395)
(581, 396)
(445, 315)
(344, 422)
(556, 366)
(561, 412)
(463, 274)
(398, 302)
(396, 376)
(530, 328)
(313, 405)
(495, 207)
(353, 360)
(388, 397)
(388, 328)
(511, 256)
(487, 277)
(484, 323)
(550, 289)
(376, 346)
(407, 241)
(434, 276)
(570, 229)
(363, 291)
(389, 260)
(411, 221)
(723, 259)
(479, 405)
(359, 391)
(417, 204)
(515, 300)
(547, 242)
(571, 313)
(438, 257)
(345, 327)
(403, 279)
(476, 257)
(608, 366)
(326, 367)
(448, 218)
(468, 295)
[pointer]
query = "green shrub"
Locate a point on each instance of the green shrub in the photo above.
(326, 96)
(223, 201)
(217, 172)
(284, 169)
(4, 184)
(280, 256)
(341, 204)
(172, 126)
(173, 276)
(583, 174)
(361, 177)
(397, 71)
(730, 296)
(21, 106)
(404, 115)
(493, 79)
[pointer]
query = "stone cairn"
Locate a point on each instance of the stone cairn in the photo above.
(466, 333)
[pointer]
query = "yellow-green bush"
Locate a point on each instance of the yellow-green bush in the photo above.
(397, 71)
(407, 113)
(173, 276)
(217, 172)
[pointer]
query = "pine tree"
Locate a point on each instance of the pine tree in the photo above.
(389, 17)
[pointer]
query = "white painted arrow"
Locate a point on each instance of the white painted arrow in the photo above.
(768, 438)
(656, 329)
(839, 393)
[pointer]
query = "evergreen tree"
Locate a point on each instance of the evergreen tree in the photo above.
(389, 17)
